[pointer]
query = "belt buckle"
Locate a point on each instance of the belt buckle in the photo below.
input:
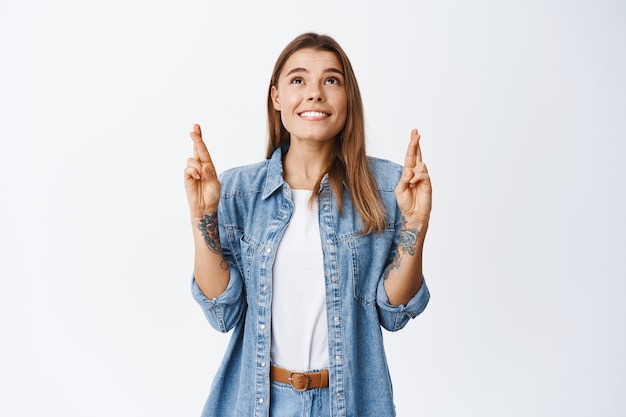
(293, 383)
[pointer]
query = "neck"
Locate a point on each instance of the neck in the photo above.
(305, 165)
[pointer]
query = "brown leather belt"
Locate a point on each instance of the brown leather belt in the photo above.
(300, 381)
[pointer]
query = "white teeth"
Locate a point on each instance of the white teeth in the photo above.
(313, 114)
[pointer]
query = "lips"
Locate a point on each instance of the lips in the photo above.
(313, 114)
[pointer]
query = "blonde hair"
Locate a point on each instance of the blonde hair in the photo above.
(350, 160)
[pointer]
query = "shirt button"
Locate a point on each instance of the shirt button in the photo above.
(326, 207)
(336, 319)
(268, 250)
(333, 278)
(329, 241)
(264, 287)
(263, 327)
(261, 400)
(337, 358)
(263, 364)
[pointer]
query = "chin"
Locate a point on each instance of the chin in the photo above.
(313, 135)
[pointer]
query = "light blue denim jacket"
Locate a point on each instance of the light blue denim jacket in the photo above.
(254, 210)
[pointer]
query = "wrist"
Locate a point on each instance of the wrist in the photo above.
(418, 224)
(208, 227)
(197, 216)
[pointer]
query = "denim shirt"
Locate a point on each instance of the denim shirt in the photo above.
(254, 209)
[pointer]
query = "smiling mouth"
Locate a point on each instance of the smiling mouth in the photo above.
(316, 114)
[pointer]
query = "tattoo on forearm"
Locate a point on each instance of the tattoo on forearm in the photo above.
(223, 265)
(210, 231)
(407, 245)
(395, 264)
(408, 239)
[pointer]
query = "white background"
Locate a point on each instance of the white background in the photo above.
(521, 106)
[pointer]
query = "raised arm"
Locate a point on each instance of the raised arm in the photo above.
(414, 196)
(202, 186)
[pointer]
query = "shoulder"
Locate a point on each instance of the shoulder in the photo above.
(243, 180)
(387, 173)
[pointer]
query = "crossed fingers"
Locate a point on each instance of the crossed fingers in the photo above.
(200, 166)
(413, 160)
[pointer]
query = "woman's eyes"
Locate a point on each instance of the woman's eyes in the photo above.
(329, 81)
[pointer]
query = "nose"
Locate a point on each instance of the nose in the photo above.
(315, 94)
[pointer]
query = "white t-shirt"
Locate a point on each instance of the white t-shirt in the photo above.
(299, 323)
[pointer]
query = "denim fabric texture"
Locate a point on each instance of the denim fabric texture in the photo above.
(255, 208)
(287, 402)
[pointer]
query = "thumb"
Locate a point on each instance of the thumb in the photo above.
(405, 179)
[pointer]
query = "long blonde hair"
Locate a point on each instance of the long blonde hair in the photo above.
(350, 160)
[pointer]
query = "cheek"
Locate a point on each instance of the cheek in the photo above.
(342, 106)
(341, 101)
(288, 102)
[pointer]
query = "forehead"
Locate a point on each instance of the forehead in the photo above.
(312, 59)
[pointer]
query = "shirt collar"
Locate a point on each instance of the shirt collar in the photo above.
(274, 177)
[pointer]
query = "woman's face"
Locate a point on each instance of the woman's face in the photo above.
(311, 96)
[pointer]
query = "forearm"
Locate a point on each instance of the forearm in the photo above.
(211, 271)
(403, 278)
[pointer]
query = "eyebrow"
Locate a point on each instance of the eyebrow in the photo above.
(331, 70)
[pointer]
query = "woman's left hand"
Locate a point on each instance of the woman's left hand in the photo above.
(414, 190)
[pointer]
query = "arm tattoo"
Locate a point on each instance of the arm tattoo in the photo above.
(210, 231)
(223, 265)
(395, 264)
(408, 238)
(407, 244)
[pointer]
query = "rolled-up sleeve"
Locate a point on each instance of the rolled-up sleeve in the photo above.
(224, 311)
(394, 318)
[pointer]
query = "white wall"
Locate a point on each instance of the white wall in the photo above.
(521, 106)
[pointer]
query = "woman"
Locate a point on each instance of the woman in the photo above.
(308, 253)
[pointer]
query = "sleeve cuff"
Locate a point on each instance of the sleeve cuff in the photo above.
(223, 311)
(229, 296)
(395, 317)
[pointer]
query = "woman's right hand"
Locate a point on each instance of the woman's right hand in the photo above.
(201, 182)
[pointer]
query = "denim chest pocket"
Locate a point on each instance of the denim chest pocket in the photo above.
(243, 250)
(369, 255)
